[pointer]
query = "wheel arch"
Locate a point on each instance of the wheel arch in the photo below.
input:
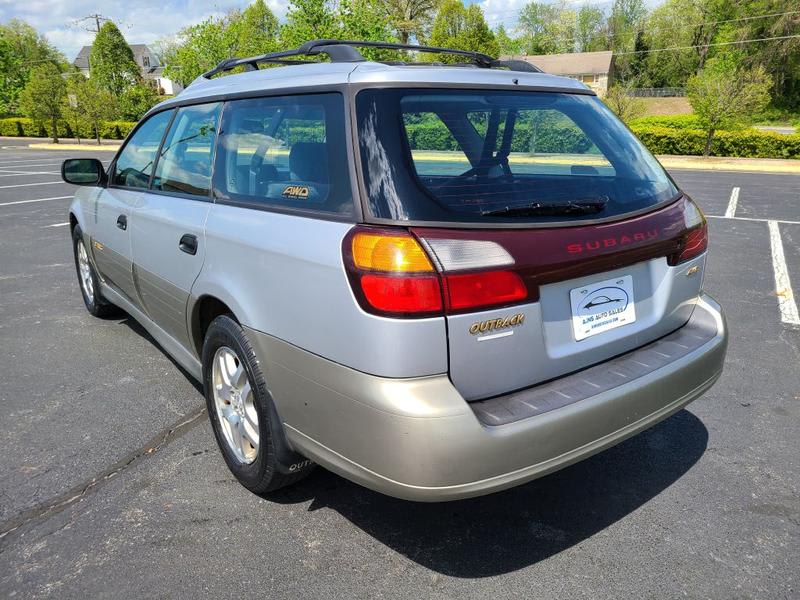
(205, 309)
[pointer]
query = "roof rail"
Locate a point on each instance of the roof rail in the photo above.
(345, 51)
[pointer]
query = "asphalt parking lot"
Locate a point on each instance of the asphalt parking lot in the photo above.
(111, 484)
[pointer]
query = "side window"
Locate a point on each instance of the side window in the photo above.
(434, 150)
(285, 152)
(135, 163)
(184, 165)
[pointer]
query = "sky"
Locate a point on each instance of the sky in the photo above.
(145, 21)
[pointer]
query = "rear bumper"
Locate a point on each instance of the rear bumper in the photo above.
(418, 439)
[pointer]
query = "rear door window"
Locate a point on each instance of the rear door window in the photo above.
(184, 165)
(285, 152)
(494, 157)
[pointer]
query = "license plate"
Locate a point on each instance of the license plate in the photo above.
(602, 306)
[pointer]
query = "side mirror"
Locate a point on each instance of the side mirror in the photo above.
(83, 171)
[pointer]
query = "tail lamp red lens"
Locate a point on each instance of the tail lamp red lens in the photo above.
(405, 295)
(483, 289)
(392, 275)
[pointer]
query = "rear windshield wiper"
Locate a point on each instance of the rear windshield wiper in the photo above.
(549, 209)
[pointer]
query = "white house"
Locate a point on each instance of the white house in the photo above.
(595, 69)
(151, 67)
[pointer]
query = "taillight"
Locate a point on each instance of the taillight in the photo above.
(695, 240)
(489, 288)
(392, 273)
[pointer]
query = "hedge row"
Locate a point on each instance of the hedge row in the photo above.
(23, 127)
(747, 143)
(435, 136)
(689, 121)
(750, 143)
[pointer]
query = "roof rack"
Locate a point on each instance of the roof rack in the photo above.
(345, 51)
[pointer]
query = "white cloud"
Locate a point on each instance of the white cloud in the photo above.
(141, 21)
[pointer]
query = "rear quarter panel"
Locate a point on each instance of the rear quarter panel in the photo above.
(283, 275)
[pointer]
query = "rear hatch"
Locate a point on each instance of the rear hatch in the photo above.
(557, 239)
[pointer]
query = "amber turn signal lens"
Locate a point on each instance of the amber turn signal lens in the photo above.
(389, 253)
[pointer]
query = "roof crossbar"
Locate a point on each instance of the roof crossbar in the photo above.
(345, 51)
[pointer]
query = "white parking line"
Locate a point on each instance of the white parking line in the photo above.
(38, 164)
(16, 185)
(783, 285)
(757, 220)
(36, 200)
(58, 224)
(732, 203)
(40, 159)
(4, 173)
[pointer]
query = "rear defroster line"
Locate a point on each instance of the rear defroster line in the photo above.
(50, 508)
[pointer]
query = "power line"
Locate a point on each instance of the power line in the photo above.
(779, 37)
(688, 26)
(683, 27)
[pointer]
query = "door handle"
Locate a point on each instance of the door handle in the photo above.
(188, 243)
(122, 222)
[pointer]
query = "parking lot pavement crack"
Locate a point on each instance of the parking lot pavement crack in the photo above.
(52, 507)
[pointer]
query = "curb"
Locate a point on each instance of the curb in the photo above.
(84, 147)
(715, 163)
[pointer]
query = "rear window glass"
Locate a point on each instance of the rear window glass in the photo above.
(285, 152)
(492, 156)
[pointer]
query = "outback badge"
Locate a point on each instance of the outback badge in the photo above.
(496, 324)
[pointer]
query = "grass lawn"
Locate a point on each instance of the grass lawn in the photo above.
(666, 106)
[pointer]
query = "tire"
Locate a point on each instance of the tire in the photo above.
(88, 281)
(240, 406)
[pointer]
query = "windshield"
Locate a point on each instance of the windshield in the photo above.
(507, 157)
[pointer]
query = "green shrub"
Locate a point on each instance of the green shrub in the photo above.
(435, 136)
(24, 127)
(748, 143)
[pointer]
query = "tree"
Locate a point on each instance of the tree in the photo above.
(255, 30)
(309, 20)
(625, 106)
(96, 105)
(21, 49)
(43, 96)
(462, 28)
(547, 28)
(411, 18)
(366, 20)
(535, 25)
(780, 57)
(111, 63)
(626, 19)
(725, 94)
(589, 29)
(200, 48)
(70, 110)
(136, 101)
(508, 45)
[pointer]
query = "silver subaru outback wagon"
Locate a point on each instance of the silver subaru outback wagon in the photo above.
(437, 280)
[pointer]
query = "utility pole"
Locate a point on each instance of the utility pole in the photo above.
(96, 17)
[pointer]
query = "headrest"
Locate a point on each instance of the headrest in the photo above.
(308, 161)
